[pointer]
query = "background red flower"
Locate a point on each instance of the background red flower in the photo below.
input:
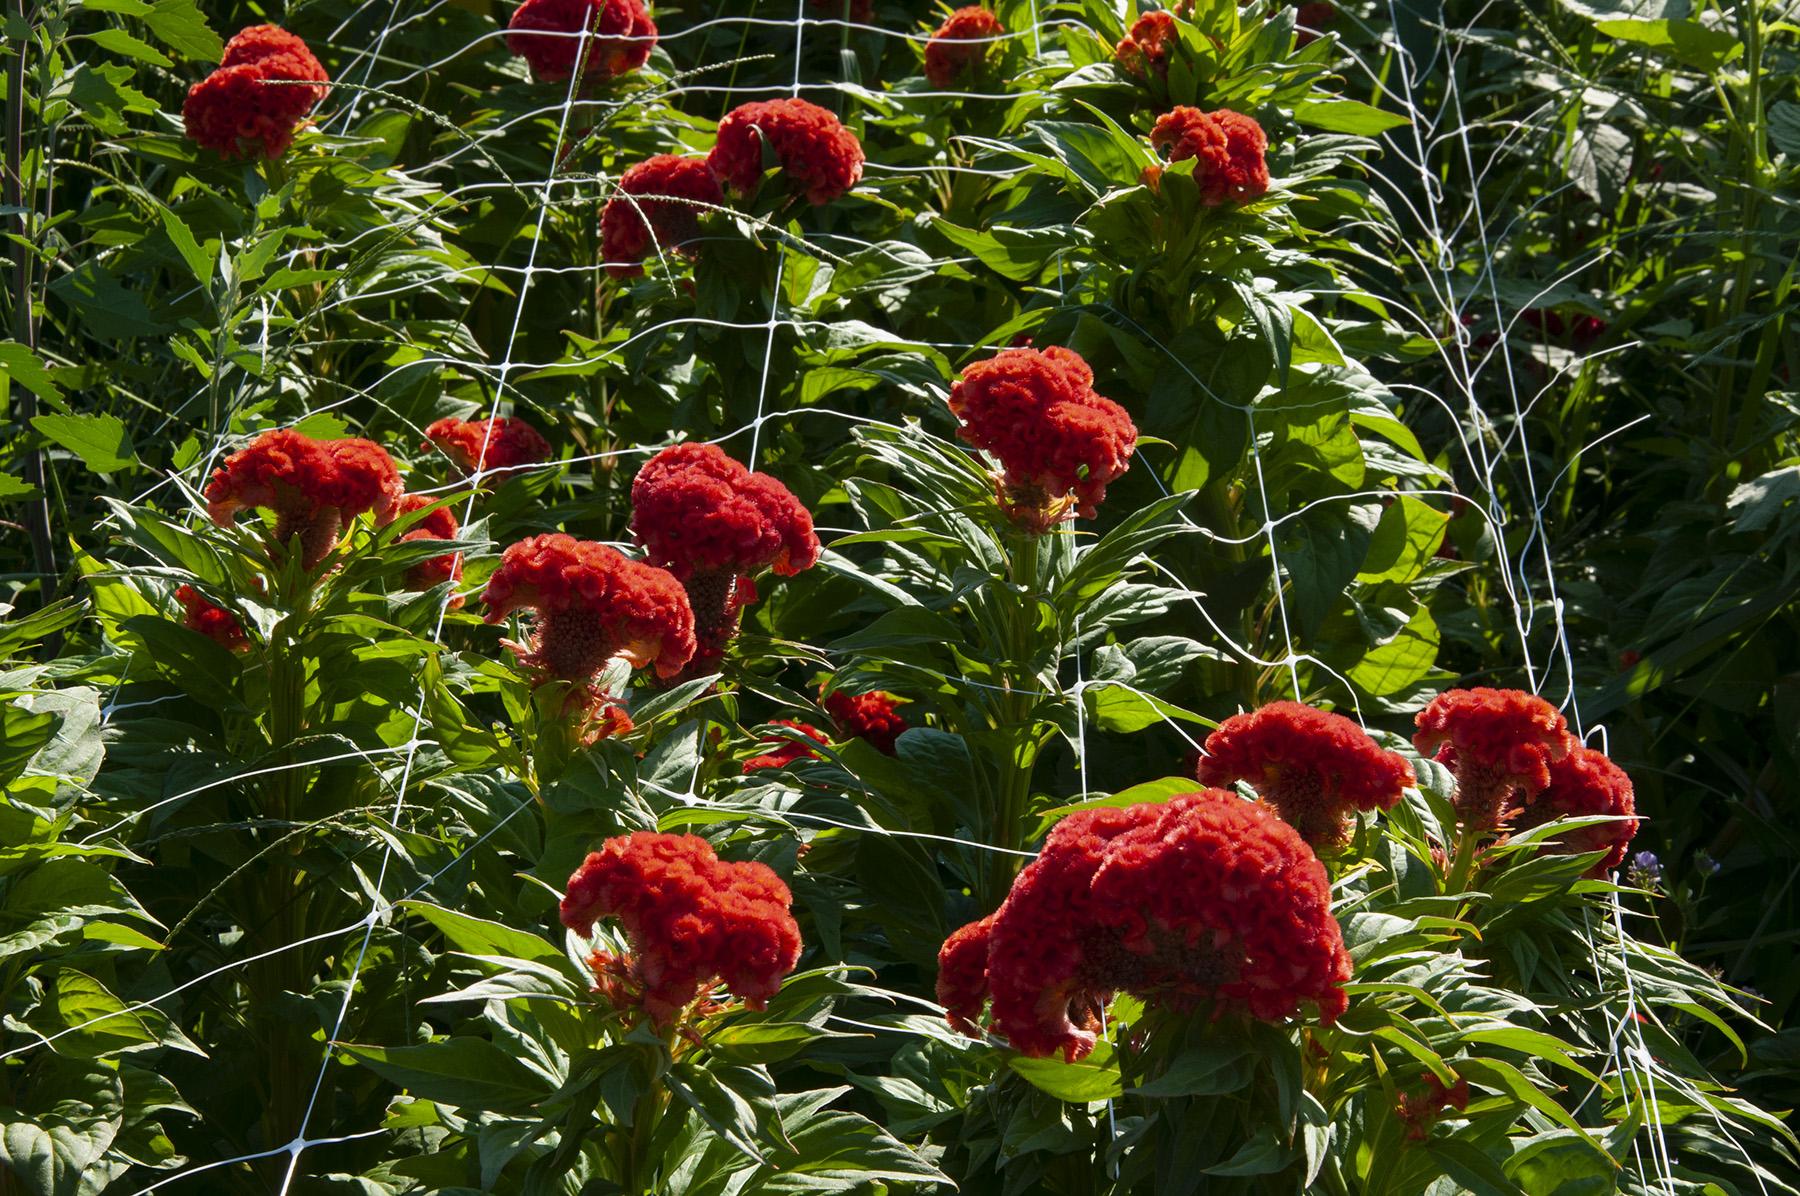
(820, 158)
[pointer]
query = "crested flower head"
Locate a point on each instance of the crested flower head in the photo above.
(657, 208)
(1146, 47)
(314, 487)
(1499, 744)
(440, 524)
(693, 921)
(819, 157)
(1059, 444)
(1315, 769)
(258, 97)
(873, 717)
(1228, 149)
(786, 749)
(1587, 782)
(960, 44)
(503, 442)
(547, 34)
(210, 620)
(592, 604)
(1204, 899)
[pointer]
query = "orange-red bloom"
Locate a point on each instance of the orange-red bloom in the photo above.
(694, 921)
(503, 442)
(1310, 19)
(1202, 899)
(1499, 743)
(547, 35)
(1315, 769)
(1229, 149)
(819, 157)
(211, 620)
(787, 750)
(258, 97)
(872, 716)
(961, 43)
(441, 524)
(592, 604)
(1587, 782)
(1146, 47)
(1419, 1111)
(313, 486)
(649, 214)
(1060, 445)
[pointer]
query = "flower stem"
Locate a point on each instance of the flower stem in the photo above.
(1015, 719)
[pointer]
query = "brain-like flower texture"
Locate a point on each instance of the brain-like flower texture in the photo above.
(592, 604)
(1587, 782)
(210, 620)
(1499, 744)
(440, 524)
(873, 717)
(258, 97)
(314, 487)
(960, 44)
(1228, 147)
(547, 35)
(1145, 48)
(693, 921)
(787, 750)
(819, 157)
(1205, 898)
(1315, 769)
(657, 208)
(1059, 444)
(503, 442)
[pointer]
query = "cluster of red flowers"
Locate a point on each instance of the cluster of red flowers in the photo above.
(1060, 445)
(211, 620)
(786, 750)
(1205, 898)
(592, 604)
(503, 442)
(693, 921)
(960, 43)
(1315, 769)
(872, 717)
(1516, 765)
(712, 523)
(314, 487)
(440, 524)
(819, 157)
(1228, 149)
(547, 34)
(658, 205)
(1146, 47)
(258, 97)
(1419, 1111)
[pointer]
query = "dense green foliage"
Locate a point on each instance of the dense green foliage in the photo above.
(1494, 386)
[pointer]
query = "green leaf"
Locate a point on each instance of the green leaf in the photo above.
(1263, 1154)
(1020, 254)
(1688, 42)
(462, 1072)
(1093, 1078)
(1404, 541)
(1204, 1068)
(1347, 116)
(1402, 661)
(197, 258)
(19, 364)
(1116, 707)
(72, 1113)
(101, 441)
(1150, 791)
(121, 42)
(180, 26)
(478, 936)
(837, 1150)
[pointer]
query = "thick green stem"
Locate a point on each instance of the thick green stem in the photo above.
(1015, 719)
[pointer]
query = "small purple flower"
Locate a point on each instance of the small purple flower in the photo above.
(1705, 864)
(1646, 870)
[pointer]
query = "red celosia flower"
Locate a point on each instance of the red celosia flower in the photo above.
(1314, 768)
(713, 523)
(1228, 148)
(313, 486)
(1310, 19)
(547, 35)
(258, 97)
(1421, 1110)
(1499, 743)
(1060, 444)
(210, 620)
(1581, 783)
(1579, 332)
(962, 984)
(693, 921)
(820, 158)
(1146, 47)
(872, 716)
(504, 442)
(441, 524)
(592, 604)
(960, 43)
(787, 750)
(1205, 898)
(648, 213)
